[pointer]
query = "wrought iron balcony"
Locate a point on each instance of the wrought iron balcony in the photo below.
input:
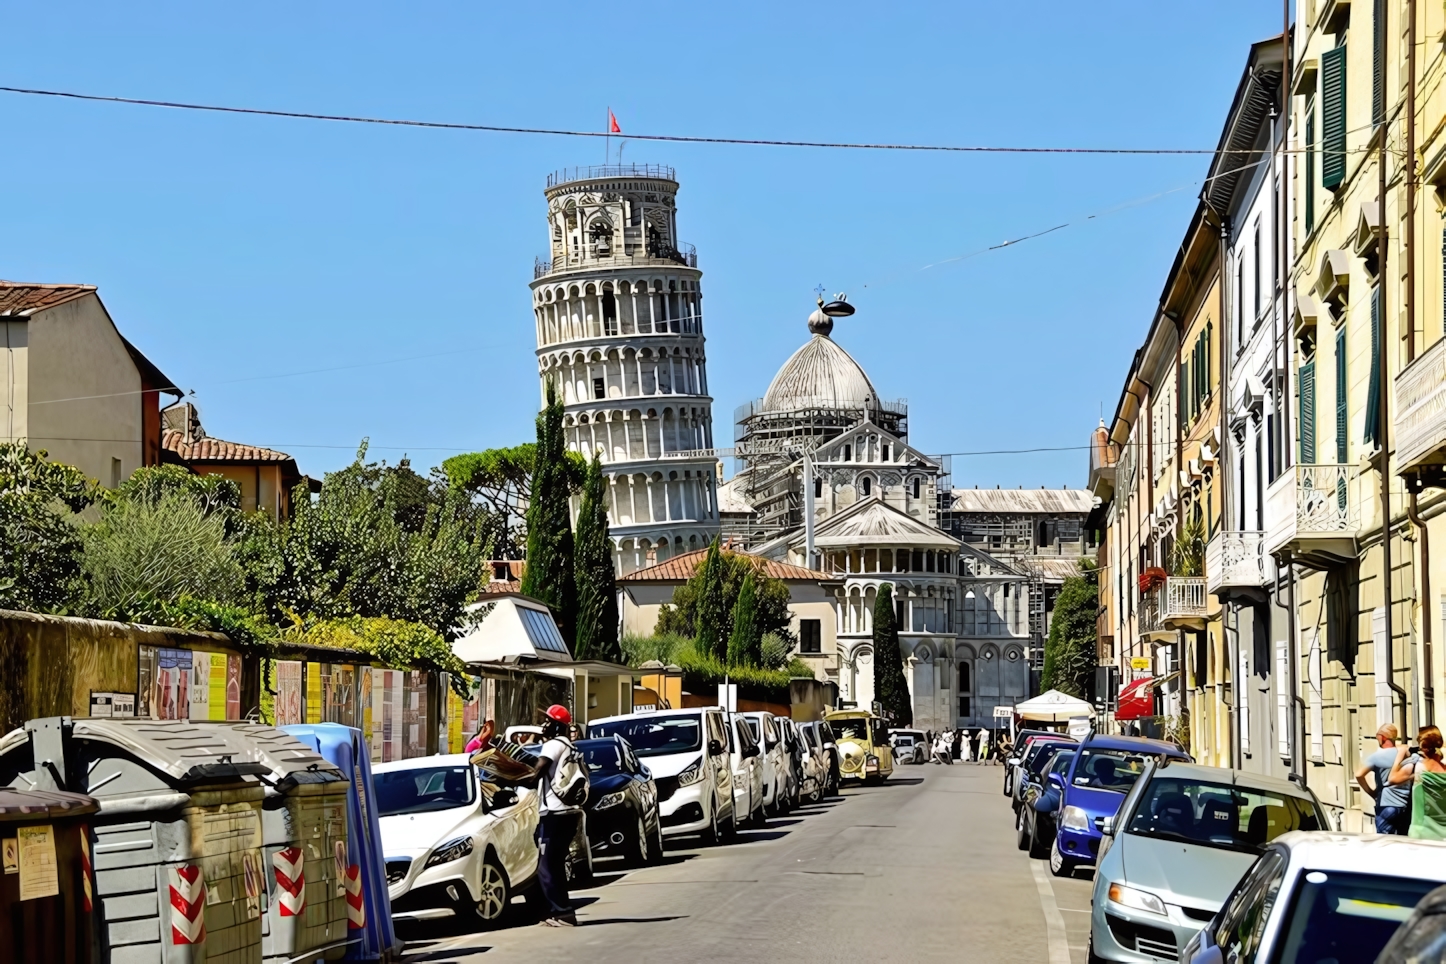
(1236, 560)
(1183, 602)
(1313, 514)
(1420, 409)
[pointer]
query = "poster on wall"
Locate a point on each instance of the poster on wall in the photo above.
(200, 689)
(364, 703)
(233, 686)
(415, 714)
(313, 693)
(287, 674)
(171, 692)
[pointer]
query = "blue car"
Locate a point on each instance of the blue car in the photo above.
(1102, 772)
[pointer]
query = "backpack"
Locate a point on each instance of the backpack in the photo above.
(569, 779)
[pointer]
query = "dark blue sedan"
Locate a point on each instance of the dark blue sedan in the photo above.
(1103, 771)
(622, 803)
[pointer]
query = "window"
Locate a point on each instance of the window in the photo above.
(1243, 919)
(657, 735)
(1348, 917)
(1307, 413)
(599, 388)
(818, 488)
(965, 677)
(1378, 70)
(867, 485)
(1443, 248)
(1333, 117)
(1372, 432)
(1218, 815)
(964, 706)
(884, 452)
(424, 790)
(1340, 388)
(810, 636)
(541, 630)
(1309, 167)
(848, 452)
(1255, 294)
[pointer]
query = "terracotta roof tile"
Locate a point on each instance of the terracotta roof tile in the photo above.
(681, 569)
(18, 297)
(218, 450)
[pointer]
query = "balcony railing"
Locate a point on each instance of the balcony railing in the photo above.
(1184, 602)
(662, 171)
(1420, 406)
(684, 254)
(722, 453)
(1236, 560)
(1312, 513)
(1149, 618)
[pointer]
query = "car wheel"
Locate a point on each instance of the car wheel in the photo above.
(655, 844)
(638, 849)
(730, 829)
(1038, 849)
(759, 818)
(1020, 831)
(496, 894)
(1093, 957)
(1059, 865)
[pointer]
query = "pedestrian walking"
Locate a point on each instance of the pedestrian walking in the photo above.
(1425, 772)
(1393, 800)
(966, 746)
(983, 745)
(560, 774)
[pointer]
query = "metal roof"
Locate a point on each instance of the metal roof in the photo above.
(21, 806)
(1024, 501)
(820, 375)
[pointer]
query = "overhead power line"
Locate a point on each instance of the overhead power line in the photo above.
(672, 138)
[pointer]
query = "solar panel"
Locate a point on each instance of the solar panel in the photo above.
(542, 631)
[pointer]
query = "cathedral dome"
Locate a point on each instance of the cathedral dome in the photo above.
(819, 375)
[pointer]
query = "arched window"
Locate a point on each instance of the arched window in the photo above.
(966, 677)
(867, 485)
(916, 487)
(818, 488)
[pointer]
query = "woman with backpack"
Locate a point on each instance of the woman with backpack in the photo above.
(562, 786)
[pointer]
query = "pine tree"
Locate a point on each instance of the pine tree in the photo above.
(549, 574)
(711, 628)
(745, 646)
(890, 689)
(597, 601)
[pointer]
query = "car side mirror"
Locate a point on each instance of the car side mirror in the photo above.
(1107, 826)
(1056, 780)
(715, 747)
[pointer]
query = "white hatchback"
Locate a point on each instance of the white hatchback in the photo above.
(448, 852)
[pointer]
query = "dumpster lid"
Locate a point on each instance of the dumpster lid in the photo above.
(288, 760)
(189, 751)
(29, 805)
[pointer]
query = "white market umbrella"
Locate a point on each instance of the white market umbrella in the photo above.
(1053, 707)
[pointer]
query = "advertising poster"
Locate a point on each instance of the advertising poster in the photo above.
(171, 699)
(233, 687)
(415, 714)
(364, 702)
(313, 693)
(200, 695)
(146, 664)
(455, 740)
(38, 873)
(287, 676)
(215, 684)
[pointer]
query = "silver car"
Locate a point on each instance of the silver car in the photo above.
(910, 746)
(1182, 839)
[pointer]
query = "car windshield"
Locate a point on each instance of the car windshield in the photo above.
(903, 739)
(1036, 749)
(654, 735)
(1218, 815)
(1101, 769)
(1348, 917)
(1040, 762)
(421, 790)
(602, 756)
(853, 730)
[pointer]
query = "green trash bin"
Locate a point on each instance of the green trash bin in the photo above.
(46, 890)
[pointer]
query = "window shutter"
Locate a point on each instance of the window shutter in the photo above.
(1378, 73)
(1341, 396)
(1333, 117)
(1372, 431)
(1307, 413)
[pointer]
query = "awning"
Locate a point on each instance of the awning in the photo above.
(1137, 700)
(1053, 707)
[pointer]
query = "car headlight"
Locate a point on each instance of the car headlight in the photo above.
(691, 775)
(1074, 818)
(611, 800)
(450, 851)
(1136, 899)
(872, 759)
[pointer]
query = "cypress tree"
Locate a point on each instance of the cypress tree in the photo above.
(745, 646)
(890, 689)
(597, 600)
(549, 575)
(1070, 650)
(710, 630)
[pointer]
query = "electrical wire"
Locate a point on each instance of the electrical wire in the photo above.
(669, 138)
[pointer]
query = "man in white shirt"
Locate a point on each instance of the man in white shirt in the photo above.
(557, 822)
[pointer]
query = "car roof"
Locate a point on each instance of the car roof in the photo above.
(423, 762)
(1358, 853)
(1240, 778)
(1139, 744)
(645, 714)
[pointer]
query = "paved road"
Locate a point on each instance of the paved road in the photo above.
(923, 868)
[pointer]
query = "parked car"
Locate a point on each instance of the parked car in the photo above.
(1317, 897)
(1036, 822)
(622, 803)
(815, 767)
(447, 851)
(1022, 741)
(746, 760)
(830, 747)
(1035, 755)
(687, 752)
(1103, 770)
(1422, 938)
(1182, 839)
(766, 734)
(793, 756)
(863, 746)
(910, 746)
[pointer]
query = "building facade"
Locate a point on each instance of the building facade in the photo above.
(618, 307)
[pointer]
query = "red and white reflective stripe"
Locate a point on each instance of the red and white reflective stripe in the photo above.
(188, 900)
(85, 869)
(290, 881)
(356, 912)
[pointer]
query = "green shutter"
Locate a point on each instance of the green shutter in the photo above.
(1333, 117)
(1310, 172)
(1341, 396)
(1378, 73)
(1372, 433)
(1307, 413)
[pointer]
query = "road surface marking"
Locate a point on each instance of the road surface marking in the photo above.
(1053, 919)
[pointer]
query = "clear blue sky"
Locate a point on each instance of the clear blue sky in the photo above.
(234, 247)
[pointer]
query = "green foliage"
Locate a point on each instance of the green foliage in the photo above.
(702, 673)
(661, 647)
(154, 549)
(1069, 652)
(40, 548)
(776, 652)
(597, 598)
(372, 544)
(890, 688)
(214, 495)
(396, 642)
(1188, 556)
(771, 602)
(245, 628)
(501, 479)
(549, 574)
(745, 645)
(710, 620)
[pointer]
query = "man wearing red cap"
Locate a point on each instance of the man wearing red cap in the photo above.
(559, 813)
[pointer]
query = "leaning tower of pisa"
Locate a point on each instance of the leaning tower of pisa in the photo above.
(620, 333)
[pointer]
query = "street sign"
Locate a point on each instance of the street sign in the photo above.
(1003, 712)
(1140, 662)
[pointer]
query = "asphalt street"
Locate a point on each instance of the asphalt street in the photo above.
(922, 868)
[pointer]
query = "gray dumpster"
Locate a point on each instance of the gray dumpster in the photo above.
(177, 839)
(304, 846)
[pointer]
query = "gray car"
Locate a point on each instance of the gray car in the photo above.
(1182, 839)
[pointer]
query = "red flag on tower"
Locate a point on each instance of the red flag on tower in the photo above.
(613, 127)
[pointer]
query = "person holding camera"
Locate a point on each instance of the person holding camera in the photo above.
(1425, 772)
(1393, 801)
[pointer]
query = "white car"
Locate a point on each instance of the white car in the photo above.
(447, 852)
(775, 767)
(1319, 896)
(747, 762)
(815, 763)
(687, 752)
